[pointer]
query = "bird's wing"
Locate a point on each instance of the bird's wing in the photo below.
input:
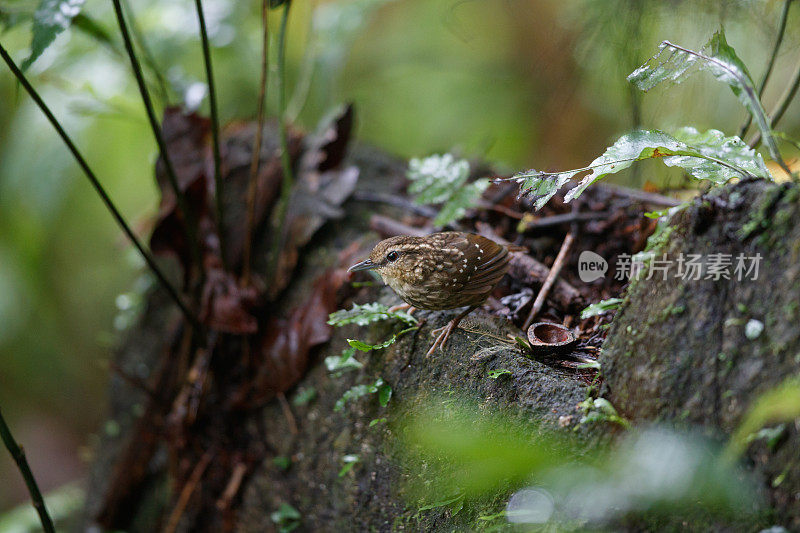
(484, 262)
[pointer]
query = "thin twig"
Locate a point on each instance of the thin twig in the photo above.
(565, 218)
(558, 264)
(389, 227)
(771, 63)
(641, 196)
(500, 208)
(186, 492)
(187, 402)
(172, 177)
(232, 488)
(212, 101)
(151, 263)
(256, 158)
(22, 464)
(395, 201)
(134, 381)
(286, 160)
(287, 413)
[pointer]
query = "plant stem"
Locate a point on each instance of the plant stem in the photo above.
(781, 105)
(22, 464)
(101, 191)
(778, 40)
(786, 98)
(149, 59)
(763, 83)
(787, 139)
(286, 160)
(188, 217)
(212, 100)
(303, 84)
(251, 186)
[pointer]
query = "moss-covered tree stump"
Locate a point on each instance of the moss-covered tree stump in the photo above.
(699, 352)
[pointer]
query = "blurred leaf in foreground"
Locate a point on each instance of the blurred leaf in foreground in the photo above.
(656, 469)
(780, 404)
(653, 470)
(477, 453)
(63, 504)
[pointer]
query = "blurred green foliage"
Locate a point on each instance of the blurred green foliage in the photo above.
(473, 452)
(524, 83)
(779, 404)
(63, 505)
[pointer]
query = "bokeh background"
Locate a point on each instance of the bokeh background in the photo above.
(522, 83)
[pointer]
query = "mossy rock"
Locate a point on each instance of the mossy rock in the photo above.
(371, 496)
(704, 366)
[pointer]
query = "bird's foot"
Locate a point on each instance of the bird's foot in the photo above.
(408, 308)
(442, 334)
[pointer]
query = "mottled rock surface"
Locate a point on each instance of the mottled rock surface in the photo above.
(678, 351)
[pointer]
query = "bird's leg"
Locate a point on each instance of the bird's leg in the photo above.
(444, 332)
(408, 308)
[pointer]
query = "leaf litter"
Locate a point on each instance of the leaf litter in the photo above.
(255, 351)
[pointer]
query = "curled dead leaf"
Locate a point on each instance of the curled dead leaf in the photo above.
(284, 350)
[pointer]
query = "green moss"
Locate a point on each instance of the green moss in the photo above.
(672, 310)
(773, 238)
(668, 311)
(774, 219)
(792, 195)
(659, 238)
(678, 309)
(760, 219)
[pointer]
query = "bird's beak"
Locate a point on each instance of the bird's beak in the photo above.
(366, 264)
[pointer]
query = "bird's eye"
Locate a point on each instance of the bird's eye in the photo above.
(392, 256)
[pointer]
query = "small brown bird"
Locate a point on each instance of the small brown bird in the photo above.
(440, 271)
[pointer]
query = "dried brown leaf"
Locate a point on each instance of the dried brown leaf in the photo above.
(287, 342)
(319, 191)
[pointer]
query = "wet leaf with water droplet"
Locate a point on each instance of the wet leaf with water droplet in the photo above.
(52, 17)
